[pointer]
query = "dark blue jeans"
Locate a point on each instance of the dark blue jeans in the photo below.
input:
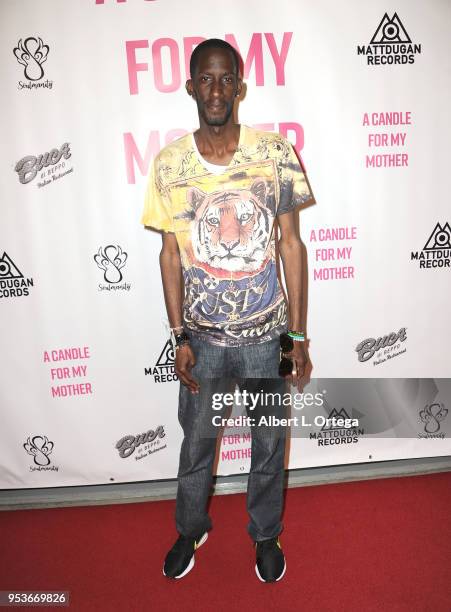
(253, 368)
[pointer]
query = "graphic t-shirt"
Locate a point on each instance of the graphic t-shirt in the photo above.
(223, 223)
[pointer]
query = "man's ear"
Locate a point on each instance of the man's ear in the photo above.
(189, 87)
(239, 87)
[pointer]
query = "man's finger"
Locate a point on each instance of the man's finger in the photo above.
(187, 380)
(301, 368)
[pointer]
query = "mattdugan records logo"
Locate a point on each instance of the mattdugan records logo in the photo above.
(40, 447)
(390, 44)
(12, 281)
(331, 434)
(111, 260)
(436, 252)
(432, 415)
(383, 348)
(164, 368)
(31, 53)
(51, 166)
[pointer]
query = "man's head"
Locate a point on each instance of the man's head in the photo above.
(215, 80)
(213, 43)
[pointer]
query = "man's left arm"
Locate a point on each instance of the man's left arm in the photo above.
(290, 248)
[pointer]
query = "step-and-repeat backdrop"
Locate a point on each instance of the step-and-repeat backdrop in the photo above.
(90, 93)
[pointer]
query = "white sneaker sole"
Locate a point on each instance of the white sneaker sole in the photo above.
(190, 565)
(277, 580)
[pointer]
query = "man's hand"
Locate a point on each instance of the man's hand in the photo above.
(184, 362)
(299, 358)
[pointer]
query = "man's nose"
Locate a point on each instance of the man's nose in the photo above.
(216, 88)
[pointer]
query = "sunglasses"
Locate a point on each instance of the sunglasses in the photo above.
(286, 346)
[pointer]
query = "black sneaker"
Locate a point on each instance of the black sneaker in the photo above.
(180, 559)
(270, 566)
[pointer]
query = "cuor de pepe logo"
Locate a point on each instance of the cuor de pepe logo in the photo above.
(147, 443)
(384, 347)
(51, 165)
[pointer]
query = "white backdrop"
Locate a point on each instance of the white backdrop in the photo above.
(90, 92)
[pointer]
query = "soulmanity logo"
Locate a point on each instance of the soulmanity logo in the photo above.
(32, 53)
(40, 447)
(432, 415)
(111, 259)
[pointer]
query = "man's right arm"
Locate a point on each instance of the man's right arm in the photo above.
(171, 275)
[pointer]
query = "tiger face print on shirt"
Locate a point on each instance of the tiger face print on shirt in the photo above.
(224, 225)
(230, 229)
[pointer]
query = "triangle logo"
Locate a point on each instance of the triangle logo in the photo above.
(167, 355)
(342, 414)
(390, 31)
(8, 268)
(439, 239)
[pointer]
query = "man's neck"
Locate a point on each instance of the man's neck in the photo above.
(217, 143)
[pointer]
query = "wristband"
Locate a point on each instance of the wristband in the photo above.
(179, 340)
(297, 336)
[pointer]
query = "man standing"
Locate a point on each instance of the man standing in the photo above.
(215, 195)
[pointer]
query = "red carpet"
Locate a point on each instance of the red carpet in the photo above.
(362, 546)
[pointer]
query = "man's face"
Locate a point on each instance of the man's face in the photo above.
(214, 86)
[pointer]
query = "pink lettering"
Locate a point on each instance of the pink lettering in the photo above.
(325, 274)
(173, 135)
(119, 1)
(188, 45)
(174, 84)
(279, 58)
(59, 373)
(255, 54)
(132, 154)
(324, 254)
(132, 66)
(266, 127)
(298, 130)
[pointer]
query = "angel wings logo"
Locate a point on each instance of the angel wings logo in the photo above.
(432, 415)
(32, 53)
(111, 259)
(40, 447)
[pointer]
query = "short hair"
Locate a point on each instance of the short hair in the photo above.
(213, 43)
